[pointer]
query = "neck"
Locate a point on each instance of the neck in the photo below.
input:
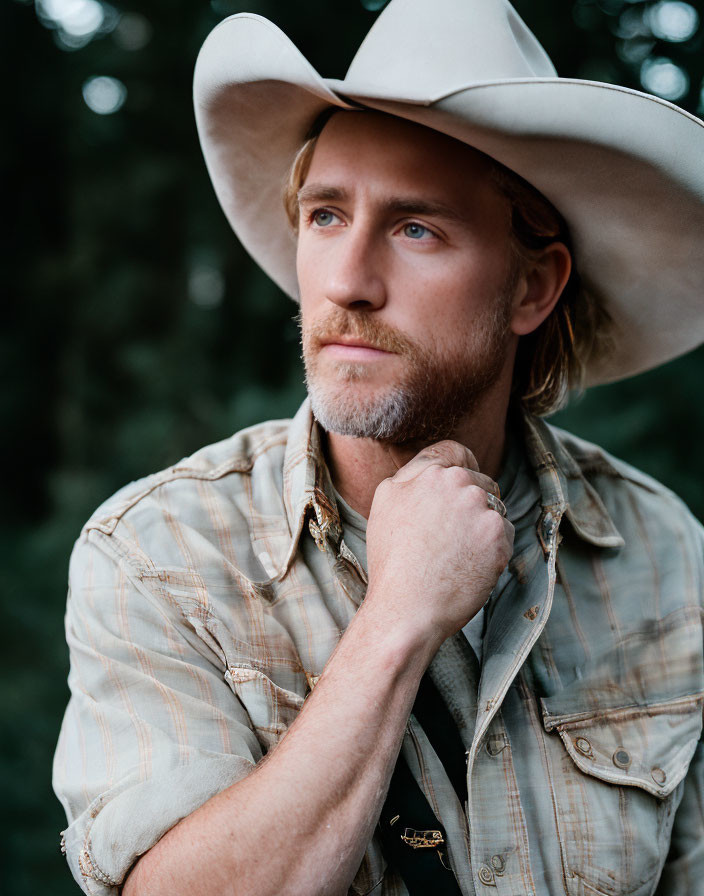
(357, 466)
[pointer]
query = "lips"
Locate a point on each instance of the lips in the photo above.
(351, 350)
(350, 343)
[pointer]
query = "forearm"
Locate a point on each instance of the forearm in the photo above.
(301, 821)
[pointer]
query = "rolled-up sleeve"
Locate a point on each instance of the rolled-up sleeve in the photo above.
(152, 729)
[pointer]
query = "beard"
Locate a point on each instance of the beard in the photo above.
(437, 389)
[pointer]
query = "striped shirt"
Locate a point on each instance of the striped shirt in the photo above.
(205, 601)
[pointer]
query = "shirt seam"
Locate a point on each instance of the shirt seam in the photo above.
(122, 554)
(231, 466)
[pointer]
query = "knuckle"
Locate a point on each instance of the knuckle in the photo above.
(456, 475)
(476, 494)
(434, 470)
(495, 525)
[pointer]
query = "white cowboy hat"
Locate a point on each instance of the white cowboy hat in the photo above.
(626, 169)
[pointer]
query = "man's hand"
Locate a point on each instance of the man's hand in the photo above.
(435, 549)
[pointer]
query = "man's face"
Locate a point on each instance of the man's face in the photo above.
(406, 277)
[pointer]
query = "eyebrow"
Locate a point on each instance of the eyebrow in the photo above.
(395, 204)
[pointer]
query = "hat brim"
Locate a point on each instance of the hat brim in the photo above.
(623, 167)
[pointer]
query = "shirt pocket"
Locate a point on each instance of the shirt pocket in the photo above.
(271, 709)
(616, 783)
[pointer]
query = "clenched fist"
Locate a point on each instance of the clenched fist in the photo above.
(435, 548)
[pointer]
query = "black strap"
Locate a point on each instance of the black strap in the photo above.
(414, 842)
(441, 730)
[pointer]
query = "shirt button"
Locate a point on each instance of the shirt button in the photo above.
(486, 876)
(583, 745)
(621, 758)
(658, 775)
(498, 864)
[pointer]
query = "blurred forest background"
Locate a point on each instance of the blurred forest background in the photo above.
(136, 328)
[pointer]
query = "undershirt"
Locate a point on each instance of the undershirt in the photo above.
(520, 494)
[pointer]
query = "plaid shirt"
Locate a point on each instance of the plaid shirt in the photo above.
(205, 601)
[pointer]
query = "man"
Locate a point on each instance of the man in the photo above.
(316, 657)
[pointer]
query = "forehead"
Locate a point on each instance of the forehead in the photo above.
(372, 149)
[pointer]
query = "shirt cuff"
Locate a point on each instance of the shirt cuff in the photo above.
(105, 841)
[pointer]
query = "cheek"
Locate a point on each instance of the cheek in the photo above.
(309, 272)
(317, 262)
(474, 271)
(449, 296)
(302, 262)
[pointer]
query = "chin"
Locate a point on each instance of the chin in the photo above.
(361, 413)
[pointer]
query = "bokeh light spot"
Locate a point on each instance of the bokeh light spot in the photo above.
(663, 78)
(77, 18)
(673, 20)
(206, 285)
(104, 95)
(133, 31)
(635, 51)
(632, 23)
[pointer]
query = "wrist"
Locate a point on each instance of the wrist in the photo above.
(407, 640)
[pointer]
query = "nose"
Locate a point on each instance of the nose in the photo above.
(355, 276)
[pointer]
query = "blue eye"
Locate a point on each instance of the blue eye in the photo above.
(415, 231)
(322, 217)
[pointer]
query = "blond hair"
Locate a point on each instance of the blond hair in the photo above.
(550, 361)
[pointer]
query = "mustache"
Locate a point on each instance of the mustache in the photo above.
(356, 325)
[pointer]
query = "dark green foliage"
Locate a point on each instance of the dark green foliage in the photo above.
(119, 355)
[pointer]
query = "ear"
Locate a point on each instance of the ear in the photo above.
(540, 286)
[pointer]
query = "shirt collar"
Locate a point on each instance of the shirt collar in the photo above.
(563, 484)
(307, 488)
(308, 491)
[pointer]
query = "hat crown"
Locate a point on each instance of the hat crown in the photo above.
(421, 50)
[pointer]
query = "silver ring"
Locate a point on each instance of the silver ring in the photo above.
(493, 503)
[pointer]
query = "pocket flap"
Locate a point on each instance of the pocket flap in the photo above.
(643, 746)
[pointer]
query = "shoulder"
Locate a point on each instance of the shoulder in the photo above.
(637, 503)
(598, 465)
(207, 501)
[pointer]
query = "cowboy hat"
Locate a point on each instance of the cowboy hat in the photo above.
(624, 168)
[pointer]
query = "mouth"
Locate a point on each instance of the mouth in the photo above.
(351, 349)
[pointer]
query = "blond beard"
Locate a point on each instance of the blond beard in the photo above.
(435, 392)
